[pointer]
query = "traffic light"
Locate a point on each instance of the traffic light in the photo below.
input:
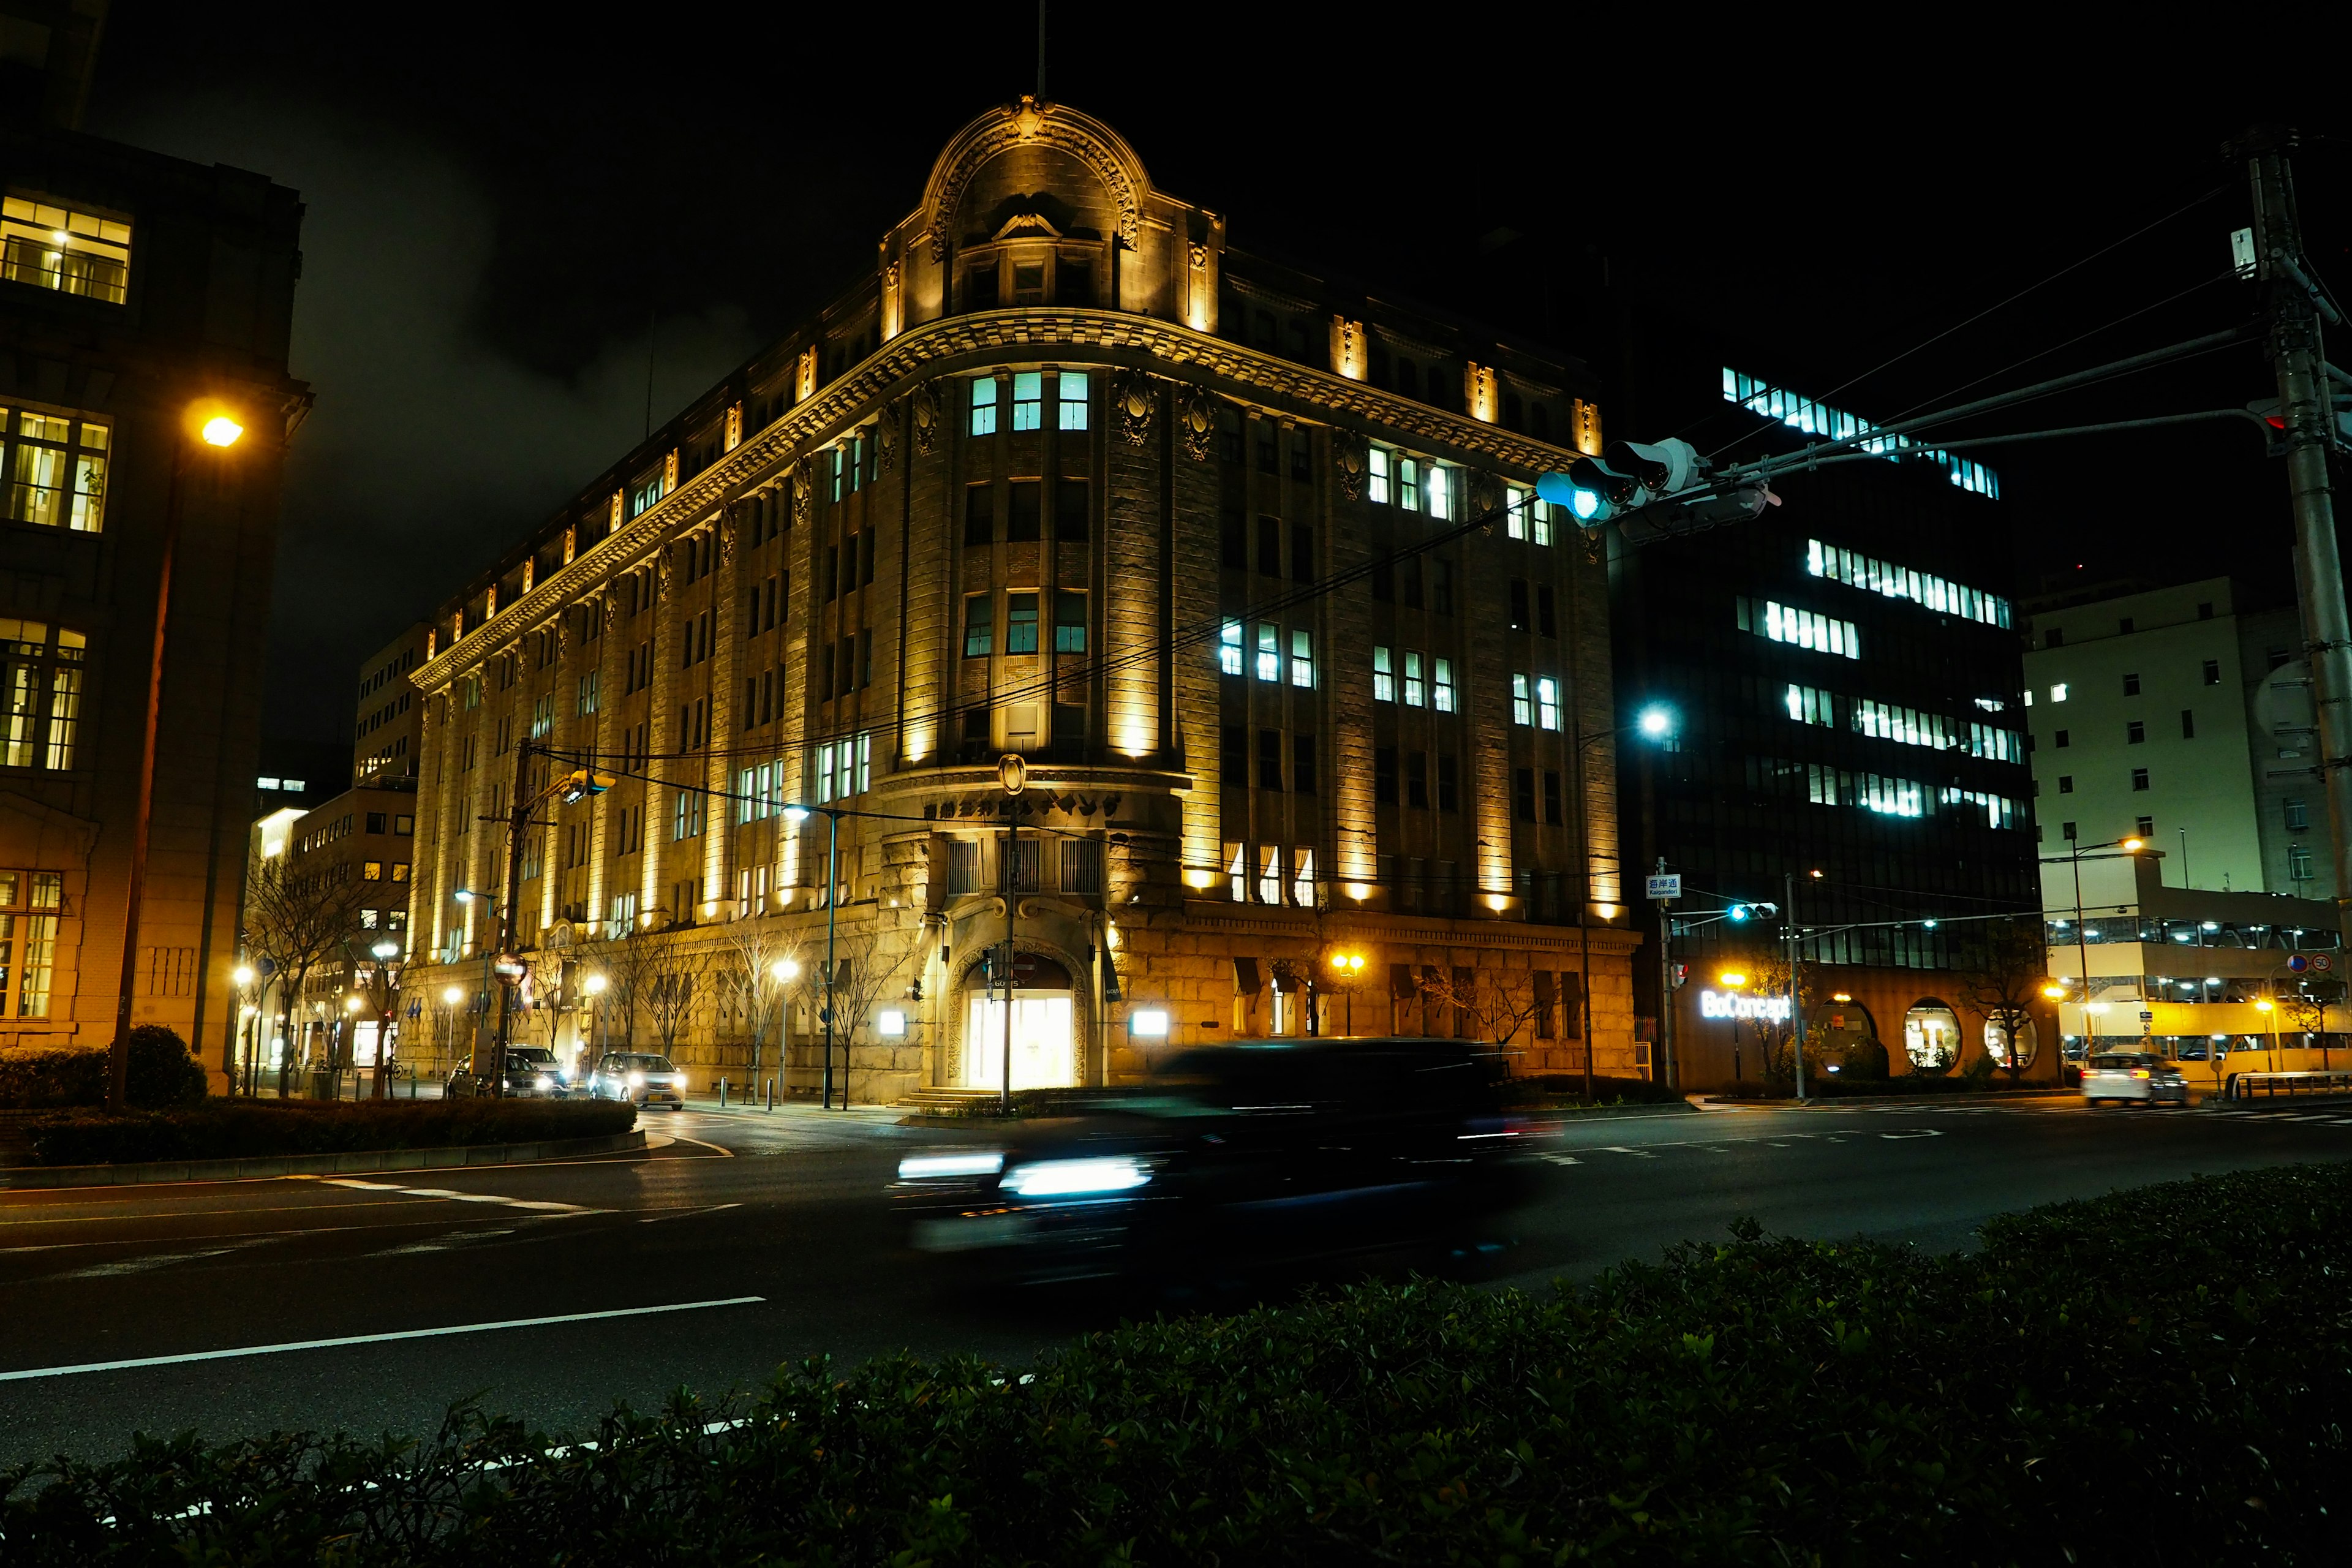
(1654, 489)
(581, 783)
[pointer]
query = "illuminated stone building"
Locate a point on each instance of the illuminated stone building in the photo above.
(1067, 476)
(139, 294)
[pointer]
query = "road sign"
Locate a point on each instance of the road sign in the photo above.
(1669, 886)
(2298, 964)
(2321, 963)
(2146, 1017)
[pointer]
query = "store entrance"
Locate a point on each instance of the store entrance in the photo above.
(1044, 1032)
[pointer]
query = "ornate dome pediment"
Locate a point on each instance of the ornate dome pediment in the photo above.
(1029, 123)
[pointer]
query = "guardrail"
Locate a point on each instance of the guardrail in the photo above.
(2269, 1085)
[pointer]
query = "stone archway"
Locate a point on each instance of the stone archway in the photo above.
(1051, 1011)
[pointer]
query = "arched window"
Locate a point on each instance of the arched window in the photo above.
(40, 684)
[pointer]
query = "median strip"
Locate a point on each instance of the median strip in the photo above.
(339, 1342)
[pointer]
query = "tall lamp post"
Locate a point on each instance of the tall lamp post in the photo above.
(245, 1012)
(786, 971)
(220, 432)
(1347, 969)
(1655, 723)
(383, 992)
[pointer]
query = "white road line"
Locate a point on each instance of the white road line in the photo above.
(1563, 1159)
(688, 1213)
(1913, 1132)
(372, 1338)
(1621, 1149)
(455, 1197)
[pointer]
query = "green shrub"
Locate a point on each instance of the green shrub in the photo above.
(1865, 1061)
(256, 1128)
(161, 1072)
(2096, 1383)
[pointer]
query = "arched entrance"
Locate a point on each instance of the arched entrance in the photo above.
(1045, 1027)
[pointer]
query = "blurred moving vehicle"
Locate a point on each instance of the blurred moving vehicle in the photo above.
(530, 1071)
(639, 1077)
(2141, 1076)
(1233, 1158)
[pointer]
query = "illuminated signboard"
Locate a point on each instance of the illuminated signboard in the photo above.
(1735, 1006)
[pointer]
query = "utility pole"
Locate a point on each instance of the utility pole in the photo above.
(2294, 308)
(1796, 993)
(1667, 1074)
(517, 823)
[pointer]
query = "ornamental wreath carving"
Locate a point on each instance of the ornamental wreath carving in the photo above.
(927, 417)
(1348, 458)
(1197, 423)
(1486, 494)
(886, 439)
(1131, 399)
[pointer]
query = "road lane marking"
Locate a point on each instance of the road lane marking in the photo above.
(454, 1197)
(156, 1261)
(686, 1213)
(373, 1339)
(1913, 1132)
(1563, 1159)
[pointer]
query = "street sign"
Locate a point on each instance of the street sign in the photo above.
(2298, 964)
(2146, 1017)
(2321, 963)
(1669, 886)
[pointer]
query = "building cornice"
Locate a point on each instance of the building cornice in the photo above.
(954, 343)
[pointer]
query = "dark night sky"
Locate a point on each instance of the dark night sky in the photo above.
(498, 209)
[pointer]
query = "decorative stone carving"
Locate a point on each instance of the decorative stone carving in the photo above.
(1130, 401)
(1348, 456)
(1486, 494)
(661, 577)
(927, 417)
(803, 496)
(886, 440)
(1197, 423)
(1088, 141)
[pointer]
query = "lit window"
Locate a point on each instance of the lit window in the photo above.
(1229, 648)
(1383, 677)
(1548, 702)
(1028, 399)
(1415, 694)
(1269, 651)
(372, 871)
(1539, 515)
(2058, 692)
(865, 762)
(1269, 875)
(1441, 496)
(1514, 510)
(824, 772)
(40, 684)
(983, 407)
(49, 246)
(1441, 686)
(1408, 484)
(55, 469)
(979, 627)
(1380, 475)
(1522, 710)
(1237, 870)
(1302, 658)
(1070, 400)
(1020, 622)
(1302, 878)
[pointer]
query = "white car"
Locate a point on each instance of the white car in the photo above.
(648, 1080)
(2133, 1076)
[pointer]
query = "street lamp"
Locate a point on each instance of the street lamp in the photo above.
(2269, 1010)
(220, 432)
(1654, 722)
(786, 971)
(1349, 968)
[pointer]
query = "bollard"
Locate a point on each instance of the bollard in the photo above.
(772, 1094)
(722, 1094)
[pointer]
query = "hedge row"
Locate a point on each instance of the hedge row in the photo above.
(43, 1078)
(256, 1128)
(2100, 1383)
(1825, 1085)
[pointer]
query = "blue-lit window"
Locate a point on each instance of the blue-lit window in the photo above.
(645, 495)
(1548, 702)
(1415, 694)
(1815, 418)
(1069, 621)
(1408, 483)
(1302, 657)
(1857, 570)
(1269, 651)
(1383, 676)
(1441, 494)
(984, 406)
(1440, 684)
(1229, 648)
(1028, 399)
(1070, 400)
(1522, 705)
(1021, 623)
(1379, 489)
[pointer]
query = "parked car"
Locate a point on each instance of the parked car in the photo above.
(2140, 1077)
(1233, 1158)
(642, 1078)
(530, 1073)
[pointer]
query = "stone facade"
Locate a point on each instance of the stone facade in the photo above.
(1237, 560)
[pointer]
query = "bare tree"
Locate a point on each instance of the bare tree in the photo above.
(630, 965)
(2002, 965)
(746, 980)
(1500, 1002)
(865, 970)
(672, 972)
(1770, 1029)
(295, 918)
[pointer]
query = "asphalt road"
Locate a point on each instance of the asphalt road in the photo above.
(760, 1238)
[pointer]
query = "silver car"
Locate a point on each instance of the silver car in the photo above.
(643, 1078)
(2137, 1077)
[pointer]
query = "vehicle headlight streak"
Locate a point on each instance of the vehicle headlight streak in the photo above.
(1077, 1178)
(919, 1167)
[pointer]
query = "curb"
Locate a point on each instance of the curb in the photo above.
(1818, 1102)
(347, 1163)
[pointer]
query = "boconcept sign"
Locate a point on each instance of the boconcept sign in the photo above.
(1733, 1004)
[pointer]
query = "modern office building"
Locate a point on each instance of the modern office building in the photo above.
(386, 726)
(1847, 672)
(1071, 478)
(140, 296)
(2184, 717)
